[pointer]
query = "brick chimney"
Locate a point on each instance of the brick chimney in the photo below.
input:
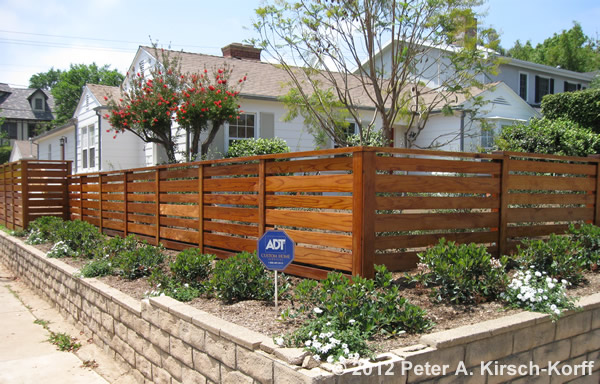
(241, 51)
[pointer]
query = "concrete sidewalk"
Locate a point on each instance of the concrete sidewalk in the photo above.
(27, 357)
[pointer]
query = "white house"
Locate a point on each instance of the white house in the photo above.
(57, 144)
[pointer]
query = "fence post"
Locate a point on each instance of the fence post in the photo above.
(24, 193)
(201, 207)
(125, 204)
(5, 211)
(363, 213)
(81, 198)
(100, 200)
(262, 196)
(12, 196)
(67, 197)
(157, 206)
(503, 210)
(597, 191)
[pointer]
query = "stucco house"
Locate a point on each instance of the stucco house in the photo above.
(24, 110)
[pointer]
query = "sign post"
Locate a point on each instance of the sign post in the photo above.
(276, 252)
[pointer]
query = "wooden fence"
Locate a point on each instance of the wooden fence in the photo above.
(347, 209)
(33, 188)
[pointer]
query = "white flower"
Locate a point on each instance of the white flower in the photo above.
(318, 310)
(330, 359)
(538, 273)
(307, 343)
(279, 341)
(352, 321)
(551, 285)
(317, 357)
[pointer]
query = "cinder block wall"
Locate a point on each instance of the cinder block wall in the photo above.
(165, 341)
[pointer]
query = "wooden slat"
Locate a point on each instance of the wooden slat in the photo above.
(140, 187)
(139, 197)
(240, 184)
(141, 218)
(230, 170)
(234, 229)
(141, 208)
(430, 221)
(141, 228)
(146, 175)
(531, 183)
(220, 198)
(112, 224)
(320, 183)
(179, 210)
(45, 188)
(179, 198)
(188, 173)
(112, 215)
(233, 214)
(41, 166)
(398, 262)
(321, 238)
(179, 186)
(179, 235)
(310, 165)
(310, 201)
(552, 167)
(310, 272)
(549, 214)
(428, 202)
(546, 198)
(324, 257)
(536, 230)
(229, 242)
(401, 183)
(48, 174)
(318, 220)
(178, 222)
(415, 241)
(112, 188)
(435, 165)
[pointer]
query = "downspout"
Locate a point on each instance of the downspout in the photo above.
(462, 131)
(99, 114)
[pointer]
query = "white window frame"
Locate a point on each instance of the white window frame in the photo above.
(87, 143)
(228, 138)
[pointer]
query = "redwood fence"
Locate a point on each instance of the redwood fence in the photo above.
(347, 209)
(33, 188)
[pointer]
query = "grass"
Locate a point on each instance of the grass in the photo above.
(64, 342)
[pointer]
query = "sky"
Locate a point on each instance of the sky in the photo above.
(37, 35)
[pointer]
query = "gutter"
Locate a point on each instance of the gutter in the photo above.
(99, 114)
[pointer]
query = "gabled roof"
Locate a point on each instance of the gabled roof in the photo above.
(263, 80)
(26, 148)
(100, 91)
(589, 76)
(15, 104)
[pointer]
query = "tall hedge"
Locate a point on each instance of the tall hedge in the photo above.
(253, 147)
(582, 107)
(557, 137)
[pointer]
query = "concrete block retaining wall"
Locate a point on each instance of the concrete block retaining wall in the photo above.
(165, 341)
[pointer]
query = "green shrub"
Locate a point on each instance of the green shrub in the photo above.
(98, 267)
(82, 237)
(588, 236)
(141, 261)
(241, 277)
(461, 274)
(558, 137)
(352, 312)
(536, 291)
(44, 230)
(191, 266)
(560, 257)
(163, 284)
(581, 107)
(253, 147)
(5, 152)
(113, 247)
(60, 249)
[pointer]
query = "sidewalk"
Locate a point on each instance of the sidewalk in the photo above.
(27, 357)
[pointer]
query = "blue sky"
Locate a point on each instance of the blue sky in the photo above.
(36, 35)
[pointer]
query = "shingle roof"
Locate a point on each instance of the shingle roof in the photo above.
(264, 80)
(99, 91)
(14, 104)
(27, 149)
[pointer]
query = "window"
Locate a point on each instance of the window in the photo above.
(487, 137)
(92, 157)
(523, 86)
(38, 104)
(142, 67)
(543, 86)
(570, 87)
(10, 129)
(242, 128)
(345, 132)
(49, 151)
(84, 158)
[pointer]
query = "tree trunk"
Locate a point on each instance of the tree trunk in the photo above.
(211, 137)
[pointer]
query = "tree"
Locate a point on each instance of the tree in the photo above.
(198, 102)
(571, 50)
(208, 101)
(66, 86)
(332, 48)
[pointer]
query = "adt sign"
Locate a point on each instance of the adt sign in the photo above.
(276, 250)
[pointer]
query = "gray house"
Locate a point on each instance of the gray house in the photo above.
(24, 110)
(532, 81)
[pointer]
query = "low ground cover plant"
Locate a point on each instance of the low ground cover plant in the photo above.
(461, 274)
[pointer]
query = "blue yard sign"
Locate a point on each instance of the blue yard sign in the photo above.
(276, 250)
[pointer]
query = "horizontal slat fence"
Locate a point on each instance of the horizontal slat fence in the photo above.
(33, 188)
(347, 209)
